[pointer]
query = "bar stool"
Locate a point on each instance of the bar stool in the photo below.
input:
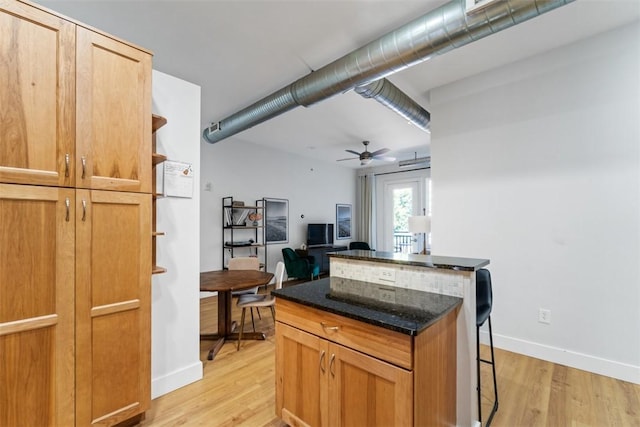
(484, 303)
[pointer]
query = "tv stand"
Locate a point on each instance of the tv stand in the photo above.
(320, 254)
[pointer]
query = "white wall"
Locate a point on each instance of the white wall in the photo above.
(249, 172)
(536, 166)
(175, 322)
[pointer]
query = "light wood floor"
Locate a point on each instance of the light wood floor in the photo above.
(238, 389)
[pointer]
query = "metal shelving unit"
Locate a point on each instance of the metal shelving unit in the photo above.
(243, 230)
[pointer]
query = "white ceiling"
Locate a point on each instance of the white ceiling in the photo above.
(239, 51)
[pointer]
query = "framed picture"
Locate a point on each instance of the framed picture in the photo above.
(343, 219)
(276, 220)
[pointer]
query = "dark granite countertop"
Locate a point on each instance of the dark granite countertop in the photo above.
(428, 307)
(431, 261)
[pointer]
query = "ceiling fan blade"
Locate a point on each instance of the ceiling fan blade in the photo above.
(385, 158)
(353, 152)
(348, 158)
(380, 151)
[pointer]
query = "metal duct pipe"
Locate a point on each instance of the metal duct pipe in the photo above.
(390, 96)
(435, 33)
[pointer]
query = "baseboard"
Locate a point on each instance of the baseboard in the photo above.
(585, 362)
(176, 379)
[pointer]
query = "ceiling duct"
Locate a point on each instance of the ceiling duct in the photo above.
(390, 96)
(437, 32)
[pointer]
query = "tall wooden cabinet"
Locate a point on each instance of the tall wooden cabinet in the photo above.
(75, 243)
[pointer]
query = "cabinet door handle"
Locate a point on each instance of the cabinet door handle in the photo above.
(331, 363)
(67, 204)
(84, 210)
(83, 160)
(67, 159)
(322, 365)
(329, 328)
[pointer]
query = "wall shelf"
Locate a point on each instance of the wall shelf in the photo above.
(156, 158)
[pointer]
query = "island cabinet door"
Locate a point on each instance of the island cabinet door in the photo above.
(301, 377)
(365, 391)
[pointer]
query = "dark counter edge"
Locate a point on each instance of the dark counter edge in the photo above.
(320, 300)
(429, 261)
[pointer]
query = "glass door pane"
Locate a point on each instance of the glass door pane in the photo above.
(401, 202)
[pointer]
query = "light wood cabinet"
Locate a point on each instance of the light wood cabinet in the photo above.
(327, 384)
(76, 104)
(75, 261)
(336, 371)
(113, 294)
(113, 93)
(37, 95)
(36, 305)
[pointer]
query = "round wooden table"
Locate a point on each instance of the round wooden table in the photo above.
(224, 282)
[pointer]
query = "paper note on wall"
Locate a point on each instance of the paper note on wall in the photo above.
(178, 179)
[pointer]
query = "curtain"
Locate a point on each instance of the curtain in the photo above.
(365, 208)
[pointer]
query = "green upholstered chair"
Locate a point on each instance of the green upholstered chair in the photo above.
(299, 267)
(359, 245)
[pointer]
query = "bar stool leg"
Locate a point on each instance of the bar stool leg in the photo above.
(478, 374)
(495, 383)
(492, 362)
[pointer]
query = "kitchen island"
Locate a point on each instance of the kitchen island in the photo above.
(344, 360)
(371, 282)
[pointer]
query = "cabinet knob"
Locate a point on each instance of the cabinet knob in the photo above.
(67, 204)
(67, 160)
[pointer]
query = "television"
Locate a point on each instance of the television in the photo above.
(319, 235)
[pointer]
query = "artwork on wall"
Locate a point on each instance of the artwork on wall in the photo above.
(277, 220)
(343, 220)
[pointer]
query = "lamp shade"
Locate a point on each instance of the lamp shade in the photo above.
(419, 224)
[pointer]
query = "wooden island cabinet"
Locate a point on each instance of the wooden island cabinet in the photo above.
(354, 369)
(75, 222)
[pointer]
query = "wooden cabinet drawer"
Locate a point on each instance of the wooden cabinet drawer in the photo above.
(390, 346)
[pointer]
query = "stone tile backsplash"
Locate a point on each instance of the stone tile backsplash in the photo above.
(439, 281)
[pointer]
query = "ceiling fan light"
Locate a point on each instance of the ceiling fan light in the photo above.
(365, 162)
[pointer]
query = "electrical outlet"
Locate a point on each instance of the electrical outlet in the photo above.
(544, 316)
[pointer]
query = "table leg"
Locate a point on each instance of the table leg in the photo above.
(226, 327)
(247, 336)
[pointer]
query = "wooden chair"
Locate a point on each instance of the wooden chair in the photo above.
(244, 263)
(265, 301)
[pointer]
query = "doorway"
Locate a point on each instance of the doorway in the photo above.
(398, 199)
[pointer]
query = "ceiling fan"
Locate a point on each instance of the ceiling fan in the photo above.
(366, 156)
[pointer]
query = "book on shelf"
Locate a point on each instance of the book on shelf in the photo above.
(240, 216)
(227, 218)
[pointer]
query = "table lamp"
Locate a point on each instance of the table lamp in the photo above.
(420, 224)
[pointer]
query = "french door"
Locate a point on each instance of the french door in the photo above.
(400, 199)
